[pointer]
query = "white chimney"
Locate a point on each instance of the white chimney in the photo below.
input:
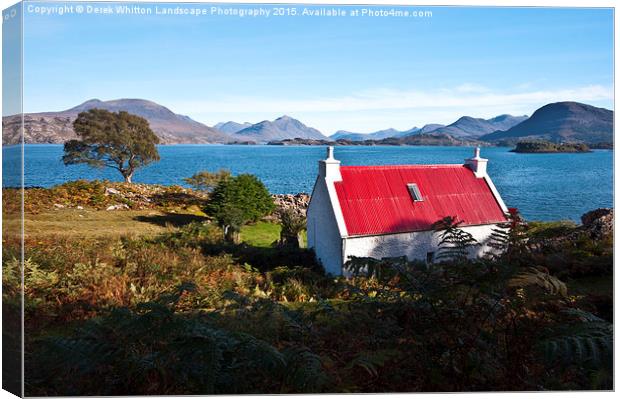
(329, 168)
(476, 164)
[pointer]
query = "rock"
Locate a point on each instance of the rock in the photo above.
(117, 207)
(598, 223)
(59, 206)
(297, 202)
(110, 190)
(79, 207)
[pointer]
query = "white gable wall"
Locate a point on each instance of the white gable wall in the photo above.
(323, 232)
(414, 245)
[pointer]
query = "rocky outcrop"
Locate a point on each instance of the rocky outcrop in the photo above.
(598, 223)
(102, 195)
(297, 202)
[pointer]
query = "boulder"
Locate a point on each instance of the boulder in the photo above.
(297, 202)
(117, 207)
(598, 223)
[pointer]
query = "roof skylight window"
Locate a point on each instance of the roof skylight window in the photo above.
(415, 192)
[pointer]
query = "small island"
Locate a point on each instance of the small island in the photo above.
(545, 147)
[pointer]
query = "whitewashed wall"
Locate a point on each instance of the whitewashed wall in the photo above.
(323, 233)
(413, 245)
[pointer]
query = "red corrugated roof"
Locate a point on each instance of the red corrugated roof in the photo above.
(375, 199)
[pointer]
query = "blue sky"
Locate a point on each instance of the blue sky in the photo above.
(352, 73)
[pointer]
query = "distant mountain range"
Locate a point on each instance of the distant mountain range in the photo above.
(557, 122)
(562, 122)
(429, 139)
(465, 127)
(231, 127)
(468, 127)
(282, 128)
(381, 134)
(56, 127)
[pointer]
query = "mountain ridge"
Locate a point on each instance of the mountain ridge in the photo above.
(57, 127)
(231, 127)
(470, 127)
(566, 121)
(378, 135)
(284, 127)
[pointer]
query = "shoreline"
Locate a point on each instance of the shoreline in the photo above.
(143, 196)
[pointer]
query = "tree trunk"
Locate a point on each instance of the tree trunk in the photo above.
(291, 240)
(128, 176)
(232, 235)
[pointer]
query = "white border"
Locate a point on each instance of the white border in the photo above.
(503, 3)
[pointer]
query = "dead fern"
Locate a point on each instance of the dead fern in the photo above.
(538, 278)
(586, 341)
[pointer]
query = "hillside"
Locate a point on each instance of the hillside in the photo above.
(282, 128)
(469, 127)
(56, 127)
(562, 122)
(429, 128)
(231, 127)
(154, 286)
(505, 121)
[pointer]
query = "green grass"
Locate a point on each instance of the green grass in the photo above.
(550, 229)
(263, 234)
(94, 223)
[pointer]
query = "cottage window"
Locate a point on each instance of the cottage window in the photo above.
(415, 192)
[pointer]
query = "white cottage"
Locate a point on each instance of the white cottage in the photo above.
(388, 211)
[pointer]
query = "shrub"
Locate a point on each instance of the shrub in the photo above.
(239, 200)
(292, 227)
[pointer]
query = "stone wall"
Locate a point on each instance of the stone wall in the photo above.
(297, 202)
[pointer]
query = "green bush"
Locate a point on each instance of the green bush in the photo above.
(237, 201)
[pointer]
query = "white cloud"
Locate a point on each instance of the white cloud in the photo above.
(382, 99)
(472, 88)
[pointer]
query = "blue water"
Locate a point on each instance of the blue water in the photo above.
(542, 186)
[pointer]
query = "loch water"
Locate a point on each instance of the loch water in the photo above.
(542, 186)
